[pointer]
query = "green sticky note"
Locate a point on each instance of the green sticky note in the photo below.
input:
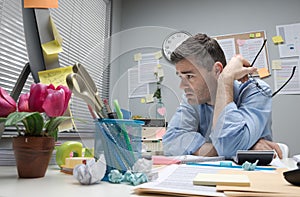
(251, 35)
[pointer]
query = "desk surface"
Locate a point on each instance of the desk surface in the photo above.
(56, 183)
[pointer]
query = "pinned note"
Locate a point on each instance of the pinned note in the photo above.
(137, 57)
(263, 72)
(276, 64)
(252, 35)
(258, 35)
(158, 55)
(149, 98)
(240, 42)
(277, 39)
(40, 3)
(143, 100)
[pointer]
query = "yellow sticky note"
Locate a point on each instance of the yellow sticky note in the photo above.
(56, 34)
(55, 76)
(277, 39)
(137, 57)
(143, 100)
(276, 64)
(251, 35)
(263, 72)
(258, 35)
(52, 47)
(40, 3)
(158, 55)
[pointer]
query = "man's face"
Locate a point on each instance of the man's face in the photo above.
(196, 82)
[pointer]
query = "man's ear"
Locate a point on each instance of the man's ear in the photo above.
(218, 68)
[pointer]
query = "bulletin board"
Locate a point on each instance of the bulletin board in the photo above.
(248, 44)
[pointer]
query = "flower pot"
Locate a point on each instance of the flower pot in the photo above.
(32, 155)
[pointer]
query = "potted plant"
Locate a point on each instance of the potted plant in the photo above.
(36, 116)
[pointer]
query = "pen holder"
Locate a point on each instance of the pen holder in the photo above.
(120, 141)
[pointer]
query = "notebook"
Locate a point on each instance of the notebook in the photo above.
(221, 179)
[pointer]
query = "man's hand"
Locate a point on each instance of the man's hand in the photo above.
(263, 144)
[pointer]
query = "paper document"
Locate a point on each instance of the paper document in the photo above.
(178, 180)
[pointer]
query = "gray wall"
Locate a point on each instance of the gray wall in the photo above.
(142, 25)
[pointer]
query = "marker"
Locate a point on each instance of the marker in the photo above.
(227, 166)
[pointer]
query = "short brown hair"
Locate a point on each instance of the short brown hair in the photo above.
(203, 49)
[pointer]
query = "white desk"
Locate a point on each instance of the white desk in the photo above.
(58, 184)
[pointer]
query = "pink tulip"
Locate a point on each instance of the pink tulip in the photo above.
(68, 95)
(38, 93)
(23, 105)
(7, 103)
(57, 101)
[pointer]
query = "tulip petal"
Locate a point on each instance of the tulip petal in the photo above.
(38, 93)
(23, 105)
(7, 103)
(68, 94)
(54, 103)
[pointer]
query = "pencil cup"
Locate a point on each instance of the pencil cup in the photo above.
(121, 142)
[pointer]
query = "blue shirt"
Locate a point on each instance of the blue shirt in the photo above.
(240, 125)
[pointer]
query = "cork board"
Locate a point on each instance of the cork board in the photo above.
(248, 45)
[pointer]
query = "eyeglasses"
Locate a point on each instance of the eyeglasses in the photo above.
(257, 84)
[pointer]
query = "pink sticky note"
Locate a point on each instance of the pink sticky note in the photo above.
(240, 42)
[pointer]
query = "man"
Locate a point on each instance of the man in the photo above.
(222, 110)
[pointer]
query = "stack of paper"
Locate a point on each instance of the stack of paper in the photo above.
(221, 179)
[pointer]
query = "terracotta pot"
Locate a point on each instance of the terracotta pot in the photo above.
(32, 155)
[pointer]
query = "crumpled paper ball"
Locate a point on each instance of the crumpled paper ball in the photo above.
(249, 166)
(90, 173)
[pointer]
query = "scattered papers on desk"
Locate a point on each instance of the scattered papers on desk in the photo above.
(167, 160)
(178, 180)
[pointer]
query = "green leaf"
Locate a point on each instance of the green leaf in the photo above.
(52, 125)
(33, 121)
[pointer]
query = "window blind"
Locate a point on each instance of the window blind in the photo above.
(84, 27)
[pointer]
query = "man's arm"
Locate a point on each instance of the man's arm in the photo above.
(236, 69)
(182, 136)
(207, 150)
(263, 144)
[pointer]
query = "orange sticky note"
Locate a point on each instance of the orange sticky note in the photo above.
(263, 72)
(40, 3)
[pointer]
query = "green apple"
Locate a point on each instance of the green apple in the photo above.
(63, 151)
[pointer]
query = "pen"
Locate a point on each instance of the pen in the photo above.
(105, 101)
(227, 166)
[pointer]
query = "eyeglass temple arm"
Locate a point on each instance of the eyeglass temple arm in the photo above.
(293, 72)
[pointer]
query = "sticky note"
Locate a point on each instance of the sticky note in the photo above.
(263, 72)
(240, 42)
(52, 47)
(149, 98)
(137, 57)
(251, 35)
(158, 55)
(56, 34)
(222, 179)
(40, 3)
(277, 39)
(276, 64)
(55, 76)
(258, 35)
(143, 100)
